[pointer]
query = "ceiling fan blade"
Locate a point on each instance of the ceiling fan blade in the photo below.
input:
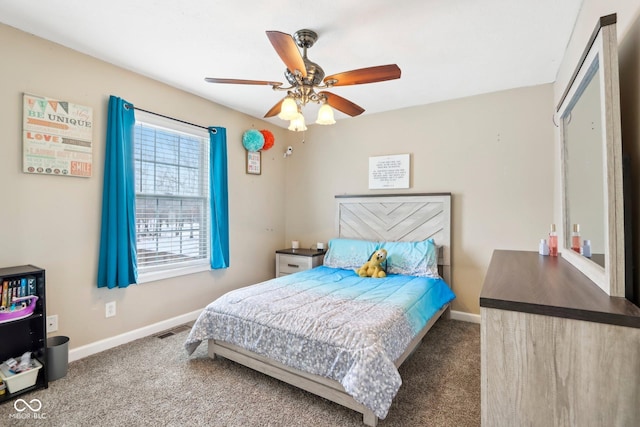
(275, 109)
(286, 48)
(342, 104)
(365, 75)
(242, 82)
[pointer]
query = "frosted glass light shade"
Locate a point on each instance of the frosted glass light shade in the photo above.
(297, 124)
(288, 109)
(325, 115)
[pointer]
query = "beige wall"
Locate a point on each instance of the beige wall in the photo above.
(628, 26)
(54, 222)
(493, 152)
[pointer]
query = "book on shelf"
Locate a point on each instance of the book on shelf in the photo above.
(5, 293)
(31, 285)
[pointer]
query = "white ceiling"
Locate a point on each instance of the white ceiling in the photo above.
(446, 49)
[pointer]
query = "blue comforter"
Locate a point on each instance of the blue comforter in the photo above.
(329, 322)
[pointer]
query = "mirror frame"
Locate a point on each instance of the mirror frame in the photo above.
(602, 47)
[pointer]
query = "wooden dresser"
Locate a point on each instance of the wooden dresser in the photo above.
(556, 350)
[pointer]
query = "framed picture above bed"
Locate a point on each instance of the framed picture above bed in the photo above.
(389, 172)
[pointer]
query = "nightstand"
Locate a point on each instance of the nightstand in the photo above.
(290, 261)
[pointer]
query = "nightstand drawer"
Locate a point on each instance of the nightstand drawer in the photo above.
(292, 263)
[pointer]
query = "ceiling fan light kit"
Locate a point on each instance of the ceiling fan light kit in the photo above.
(325, 115)
(289, 109)
(305, 77)
(297, 124)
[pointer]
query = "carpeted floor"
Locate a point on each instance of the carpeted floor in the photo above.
(152, 382)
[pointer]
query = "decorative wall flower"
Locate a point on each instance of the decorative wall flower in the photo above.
(269, 139)
(253, 140)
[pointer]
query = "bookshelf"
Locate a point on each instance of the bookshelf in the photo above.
(29, 333)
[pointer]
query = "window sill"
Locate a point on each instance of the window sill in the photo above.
(153, 276)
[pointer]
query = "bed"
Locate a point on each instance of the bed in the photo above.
(329, 331)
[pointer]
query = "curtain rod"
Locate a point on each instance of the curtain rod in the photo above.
(170, 118)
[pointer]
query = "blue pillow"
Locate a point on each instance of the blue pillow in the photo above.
(349, 253)
(412, 258)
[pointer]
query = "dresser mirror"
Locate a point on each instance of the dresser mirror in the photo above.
(592, 200)
(584, 172)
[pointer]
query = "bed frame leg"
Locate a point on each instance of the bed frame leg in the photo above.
(369, 418)
(210, 350)
(447, 313)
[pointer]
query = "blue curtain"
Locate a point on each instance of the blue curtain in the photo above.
(117, 265)
(219, 198)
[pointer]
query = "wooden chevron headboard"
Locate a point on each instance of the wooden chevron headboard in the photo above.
(402, 217)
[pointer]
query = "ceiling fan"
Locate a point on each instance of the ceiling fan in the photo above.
(307, 81)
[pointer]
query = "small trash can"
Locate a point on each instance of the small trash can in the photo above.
(57, 357)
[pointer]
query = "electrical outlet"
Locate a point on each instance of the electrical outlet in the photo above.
(52, 323)
(110, 309)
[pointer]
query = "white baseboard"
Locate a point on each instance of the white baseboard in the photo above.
(107, 343)
(465, 317)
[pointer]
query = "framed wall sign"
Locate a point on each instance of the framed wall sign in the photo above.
(389, 172)
(57, 137)
(254, 162)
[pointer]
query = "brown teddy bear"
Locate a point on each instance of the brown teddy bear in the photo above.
(372, 268)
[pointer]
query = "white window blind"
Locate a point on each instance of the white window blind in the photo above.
(172, 194)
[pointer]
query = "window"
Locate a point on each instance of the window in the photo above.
(172, 197)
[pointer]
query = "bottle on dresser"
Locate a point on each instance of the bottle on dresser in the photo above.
(586, 249)
(553, 241)
(543, 248)
(575, 238)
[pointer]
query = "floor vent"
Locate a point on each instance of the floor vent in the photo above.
(165, 335)
(173, 331)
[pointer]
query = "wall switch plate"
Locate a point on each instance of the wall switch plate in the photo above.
(52, 323)
(110, 309)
